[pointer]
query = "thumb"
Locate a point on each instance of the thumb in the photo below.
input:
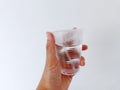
(50, 50)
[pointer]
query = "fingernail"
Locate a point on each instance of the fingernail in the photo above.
(49, 36)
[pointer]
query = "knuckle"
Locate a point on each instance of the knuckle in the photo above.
(49, 46)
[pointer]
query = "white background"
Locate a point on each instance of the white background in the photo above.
(23, 26)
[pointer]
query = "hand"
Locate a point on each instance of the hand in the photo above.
(52, 79)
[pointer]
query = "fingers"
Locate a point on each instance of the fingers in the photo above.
(84, 47)
(50, 49)
(82, 61)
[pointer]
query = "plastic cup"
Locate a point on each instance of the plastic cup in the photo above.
(68, 49)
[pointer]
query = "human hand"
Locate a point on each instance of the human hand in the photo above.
(52, 79)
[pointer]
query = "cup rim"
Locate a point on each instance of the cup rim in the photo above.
(66, 30)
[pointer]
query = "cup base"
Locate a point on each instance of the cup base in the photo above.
(69, 72)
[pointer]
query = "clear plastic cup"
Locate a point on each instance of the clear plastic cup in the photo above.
(68, 49)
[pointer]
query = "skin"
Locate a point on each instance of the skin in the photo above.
(52, 79)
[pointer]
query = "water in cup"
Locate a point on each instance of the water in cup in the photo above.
(69, 58)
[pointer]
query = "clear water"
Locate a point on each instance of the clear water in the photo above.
(69, 58)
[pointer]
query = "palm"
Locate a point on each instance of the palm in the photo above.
(57, 80)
